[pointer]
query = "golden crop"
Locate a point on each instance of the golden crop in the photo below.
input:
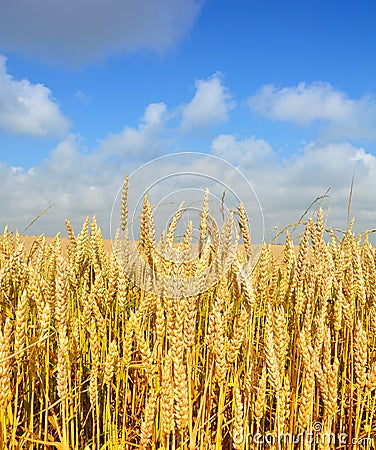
(88, 360)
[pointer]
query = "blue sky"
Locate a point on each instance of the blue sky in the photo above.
(285, 91)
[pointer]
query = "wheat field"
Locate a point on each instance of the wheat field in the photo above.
(284, 358)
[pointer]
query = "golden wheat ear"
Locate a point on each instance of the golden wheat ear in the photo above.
(124, 205)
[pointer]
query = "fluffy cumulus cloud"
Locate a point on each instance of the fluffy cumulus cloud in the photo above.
(245, 153)
(143, 141)
(83, 31)
(303, 104)
(27, 108)
(210, 105)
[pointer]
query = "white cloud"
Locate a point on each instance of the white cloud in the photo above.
(142, 141)
(27, 108)
(84, 31)
(245, 153)
(303, 104)
(154, 116)
(210, 105)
